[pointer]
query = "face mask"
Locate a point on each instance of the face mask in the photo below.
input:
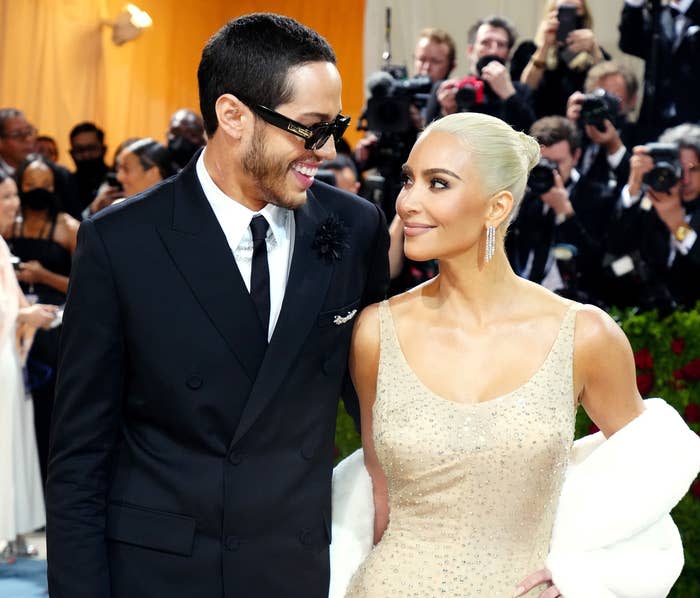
(182, 150)
(38, 199)
(91, 165)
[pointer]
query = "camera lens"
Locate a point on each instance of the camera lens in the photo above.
(541, 177)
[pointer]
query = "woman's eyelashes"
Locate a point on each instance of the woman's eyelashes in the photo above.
(438, 183)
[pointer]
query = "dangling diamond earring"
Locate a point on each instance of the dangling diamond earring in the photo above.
(490, 243)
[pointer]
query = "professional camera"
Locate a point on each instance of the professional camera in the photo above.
(473, 91)
(389, 104)
(541, 177)
(599, 106)
(667, 169)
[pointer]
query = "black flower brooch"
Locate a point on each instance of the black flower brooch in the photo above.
(331, 239)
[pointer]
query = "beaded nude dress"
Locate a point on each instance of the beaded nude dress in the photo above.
(473, 488)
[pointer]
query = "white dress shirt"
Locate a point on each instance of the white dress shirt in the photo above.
(234, 219)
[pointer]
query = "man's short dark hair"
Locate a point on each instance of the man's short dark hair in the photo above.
(493, 21)
(87, 127)
(553, 129)
(251, 56)
(6, 114)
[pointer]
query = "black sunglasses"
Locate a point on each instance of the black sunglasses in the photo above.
(315, 136)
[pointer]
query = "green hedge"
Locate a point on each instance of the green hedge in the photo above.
(667, 356)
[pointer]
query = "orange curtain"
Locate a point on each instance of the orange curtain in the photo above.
(60, 67)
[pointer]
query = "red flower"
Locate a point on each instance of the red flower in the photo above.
(677, 345)
(644, 383)
(692, 413)
(695, 489)
(691, 370)
(643, 359)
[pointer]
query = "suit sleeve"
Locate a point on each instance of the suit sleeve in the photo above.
(376, 288)
(517, 109)
(85, 425)
(635, 32)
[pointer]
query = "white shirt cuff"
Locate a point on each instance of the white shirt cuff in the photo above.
(627, 200)
(615, 159)
(635, 3)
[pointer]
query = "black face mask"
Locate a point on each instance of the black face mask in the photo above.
(38, 199)
(90, 166)
(182, 150)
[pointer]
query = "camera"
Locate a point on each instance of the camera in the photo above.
(473, 91)
(389, 105)
(541, 177)
(112, 181)
(667, 169)
(599, 106)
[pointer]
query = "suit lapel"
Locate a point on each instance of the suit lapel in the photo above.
(308, 281)
(202, 255)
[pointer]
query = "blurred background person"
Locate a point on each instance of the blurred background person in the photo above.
(667, 38)
(489, 89)
(44, 239)
(21, 498)
(602, 114)
(142, 164)
(47, 147)
(17, 139)
(344, 171)
(434, 55)
(554, 67)
(185, 136)
(87, 148)
(654, 237)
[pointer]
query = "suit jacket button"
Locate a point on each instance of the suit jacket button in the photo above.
(235, 458)
(305, 537)
(232, 543)
(194, 382)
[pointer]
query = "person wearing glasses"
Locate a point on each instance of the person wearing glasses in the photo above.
(205, 343)
(17, 139)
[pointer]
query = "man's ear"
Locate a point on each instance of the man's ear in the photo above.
(500, 207)
(233, 116)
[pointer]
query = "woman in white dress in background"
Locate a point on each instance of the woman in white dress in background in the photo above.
(21, 494)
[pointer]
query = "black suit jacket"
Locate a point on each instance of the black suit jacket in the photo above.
(189, 457)
(678, 68)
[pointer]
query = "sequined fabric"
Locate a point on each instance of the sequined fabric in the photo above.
(473, 488)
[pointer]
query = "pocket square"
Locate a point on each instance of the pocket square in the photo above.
(339, 320)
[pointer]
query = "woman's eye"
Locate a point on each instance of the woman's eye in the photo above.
(436, 183)
(405, 180)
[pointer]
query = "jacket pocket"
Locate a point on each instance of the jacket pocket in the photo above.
(149, 528)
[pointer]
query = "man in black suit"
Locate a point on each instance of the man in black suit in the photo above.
(660, 230)
(490, 41)
(202, 360)
(572, 212)
(672, 76)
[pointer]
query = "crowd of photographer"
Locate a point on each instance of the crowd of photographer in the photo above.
(610, 214)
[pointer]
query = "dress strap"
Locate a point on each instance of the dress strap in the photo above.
(388, 341)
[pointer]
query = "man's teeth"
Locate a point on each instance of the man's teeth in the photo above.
(306, 170)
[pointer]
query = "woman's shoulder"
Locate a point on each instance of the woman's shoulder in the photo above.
(66, 221)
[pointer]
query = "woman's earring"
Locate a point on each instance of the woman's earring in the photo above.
(490, 243)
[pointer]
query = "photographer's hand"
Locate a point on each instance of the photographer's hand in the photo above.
(640, 163)
(583, 40)
(608, 139)
(669, 207)
(557, 198)
(106, 195)
(573, 106)
(364, 146)
(498, 77)
(447, 96)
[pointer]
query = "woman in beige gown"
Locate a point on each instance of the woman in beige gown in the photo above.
(21, 494)
(469, 383)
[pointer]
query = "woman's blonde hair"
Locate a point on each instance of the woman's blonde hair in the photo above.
(502, 156)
